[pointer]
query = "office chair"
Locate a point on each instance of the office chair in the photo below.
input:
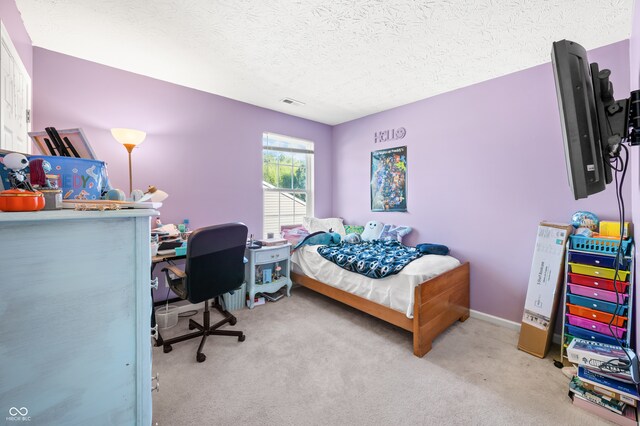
(214, 266)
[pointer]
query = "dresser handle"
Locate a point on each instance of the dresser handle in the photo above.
(154, 283)
(596, 283)
(157, 386)
(154, 332)
(595, 294)
(593, 326)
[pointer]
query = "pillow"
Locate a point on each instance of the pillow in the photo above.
(372, 230)
(433, 249)
(353, 229)
(392, 232)
(293, 234)
(313, 224)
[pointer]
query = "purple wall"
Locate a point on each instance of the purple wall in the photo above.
(485, 166)
(634, 79)
(202, 149)
(12, 21)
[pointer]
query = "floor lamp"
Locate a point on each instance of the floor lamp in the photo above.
(130, 138)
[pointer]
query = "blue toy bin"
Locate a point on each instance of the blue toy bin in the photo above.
(599, 245)
(79, 178)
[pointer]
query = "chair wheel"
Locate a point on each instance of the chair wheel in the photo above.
(241, 338)
(166, 349)
(233, 321)
(201, 357)
(558, 364)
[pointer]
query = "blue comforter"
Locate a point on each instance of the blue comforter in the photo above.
(374, 259)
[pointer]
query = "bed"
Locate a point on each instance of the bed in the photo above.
(425, 298)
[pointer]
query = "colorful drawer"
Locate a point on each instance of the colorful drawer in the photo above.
(595, 315)
(581, 333)
(595, 260)
(590, 303)
(596, 326)
(596, 271)
(607, 296)
(601, 283)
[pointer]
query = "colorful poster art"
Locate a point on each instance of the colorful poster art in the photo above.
(389, 180)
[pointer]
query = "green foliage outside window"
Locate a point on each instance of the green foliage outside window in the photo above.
(285, 170)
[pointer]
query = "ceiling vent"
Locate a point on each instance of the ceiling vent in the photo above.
(290, 101)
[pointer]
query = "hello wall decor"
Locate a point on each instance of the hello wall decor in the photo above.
(389, 135)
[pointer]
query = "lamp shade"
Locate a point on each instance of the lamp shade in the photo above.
(128, 136)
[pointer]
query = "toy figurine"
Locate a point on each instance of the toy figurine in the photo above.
(16, 163)
(258, 274)
(38, 170)
(276, 275)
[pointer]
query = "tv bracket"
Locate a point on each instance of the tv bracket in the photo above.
(621, 116)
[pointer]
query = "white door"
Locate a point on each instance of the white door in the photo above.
(15, 98)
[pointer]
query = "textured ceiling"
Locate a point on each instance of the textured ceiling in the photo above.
(343, 58)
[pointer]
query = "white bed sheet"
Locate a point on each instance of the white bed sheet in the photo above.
(395, 291)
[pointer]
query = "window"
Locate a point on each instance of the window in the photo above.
(287, 181)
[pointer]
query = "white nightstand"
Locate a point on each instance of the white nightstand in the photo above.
(265, 260)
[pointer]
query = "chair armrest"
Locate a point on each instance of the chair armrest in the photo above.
(176, 271)
(176, 280)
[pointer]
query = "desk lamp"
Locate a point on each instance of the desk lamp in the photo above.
(130, 138)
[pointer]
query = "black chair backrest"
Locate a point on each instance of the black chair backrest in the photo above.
(215, 260)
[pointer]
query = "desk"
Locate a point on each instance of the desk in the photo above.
(165, 258)
(154, 261)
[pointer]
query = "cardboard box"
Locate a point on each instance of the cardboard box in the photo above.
(545, 282)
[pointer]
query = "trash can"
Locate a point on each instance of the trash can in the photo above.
(166, 317)
(236, 301)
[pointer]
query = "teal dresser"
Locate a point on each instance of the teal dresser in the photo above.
(75, 310)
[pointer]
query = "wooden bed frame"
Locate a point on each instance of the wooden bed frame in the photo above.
(438, 303)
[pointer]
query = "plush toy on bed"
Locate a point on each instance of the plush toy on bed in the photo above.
(428, 248)
(352, 238)
(372, 230)
(393, 232)
(320, 238)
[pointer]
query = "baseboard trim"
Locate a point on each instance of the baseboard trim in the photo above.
(557, 338)
(494, 320)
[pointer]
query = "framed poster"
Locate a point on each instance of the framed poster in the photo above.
(389, 180)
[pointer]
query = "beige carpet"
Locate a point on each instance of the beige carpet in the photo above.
(308, 360)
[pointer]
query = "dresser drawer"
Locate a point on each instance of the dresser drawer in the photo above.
(268, 255)
(594, 315)
(607, 296)
(599, 283)
(590, 303)
(582, 333)
(596, 271)
(596, 260)
(596, 326)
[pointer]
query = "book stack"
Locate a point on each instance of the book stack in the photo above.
(604, 384)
